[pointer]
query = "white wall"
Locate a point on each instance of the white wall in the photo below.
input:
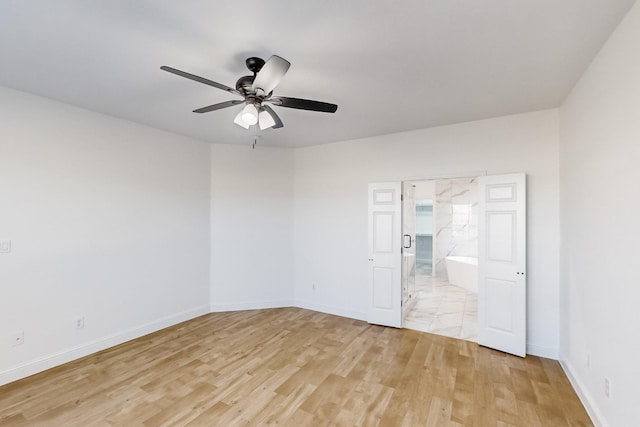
(425, 189)
(108, 220)
(330, 206)
(599, 163)
(252, 227)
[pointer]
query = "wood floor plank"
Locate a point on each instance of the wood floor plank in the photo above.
(294, 367)
(439, 412)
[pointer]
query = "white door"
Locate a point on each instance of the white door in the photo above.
(502, 293)
(385, 257)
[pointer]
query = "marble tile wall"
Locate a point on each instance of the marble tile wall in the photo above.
(456, 221)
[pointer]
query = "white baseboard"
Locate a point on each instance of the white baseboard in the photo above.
(541, 351)
(583, 395)
(337, 311)
(251, 305)
(43, 363)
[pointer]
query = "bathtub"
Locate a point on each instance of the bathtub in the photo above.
(463, 272)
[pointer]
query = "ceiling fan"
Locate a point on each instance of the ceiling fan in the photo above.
(257, 93)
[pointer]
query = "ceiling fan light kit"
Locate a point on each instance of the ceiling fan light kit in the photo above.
(238, 120)
(257, 91)
(250, 114)
(265, 120)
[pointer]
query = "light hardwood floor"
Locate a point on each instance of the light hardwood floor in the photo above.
(294, 367)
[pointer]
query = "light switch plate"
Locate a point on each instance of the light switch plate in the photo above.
(5, 246)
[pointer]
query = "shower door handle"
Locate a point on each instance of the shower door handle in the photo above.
(404, 244)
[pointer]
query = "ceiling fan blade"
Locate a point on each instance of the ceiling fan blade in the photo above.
(274, 116)
(304, 104)
(200, 79)
(218, 106)
(270, 74)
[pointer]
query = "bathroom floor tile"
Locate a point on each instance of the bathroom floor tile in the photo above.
(443, 309)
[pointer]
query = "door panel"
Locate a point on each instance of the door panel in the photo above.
(385, 258)
(499, 293)
(502, 262)
(382, 288)
(383, 232)
(501, 236)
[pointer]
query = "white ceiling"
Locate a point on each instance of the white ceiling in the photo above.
(391, 66)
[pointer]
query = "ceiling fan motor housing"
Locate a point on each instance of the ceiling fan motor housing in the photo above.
(244, 84)
(254, 64)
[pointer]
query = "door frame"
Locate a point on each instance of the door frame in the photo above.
(370, 317)
(440, 177)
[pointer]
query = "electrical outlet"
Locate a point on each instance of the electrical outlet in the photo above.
(18, 338)
(79, 322)
(5, 246)
(607, 387)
